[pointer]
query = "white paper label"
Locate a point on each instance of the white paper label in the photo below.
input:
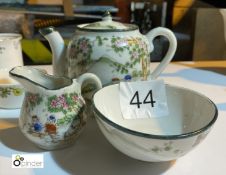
(143, 99)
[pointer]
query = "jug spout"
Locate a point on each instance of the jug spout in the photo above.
(34, 80)
(58, 50)
(19, 74)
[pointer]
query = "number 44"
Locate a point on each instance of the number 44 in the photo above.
(148, 99)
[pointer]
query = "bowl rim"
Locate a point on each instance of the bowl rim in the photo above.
(5, 85)
(162, 137)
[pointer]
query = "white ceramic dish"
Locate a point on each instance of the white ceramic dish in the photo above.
(191, 116)
(11, 52)
(11, 92)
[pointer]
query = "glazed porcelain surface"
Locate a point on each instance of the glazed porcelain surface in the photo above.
(11, 92)
(113, 51)
(52, 115)
(10, 50)
(191, 116)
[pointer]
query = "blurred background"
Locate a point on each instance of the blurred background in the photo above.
(199, 25)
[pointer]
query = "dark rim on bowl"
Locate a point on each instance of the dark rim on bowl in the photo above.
(165, 137)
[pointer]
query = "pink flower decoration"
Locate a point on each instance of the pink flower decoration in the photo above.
(121, 43)
(75, 98)
(62, 101)
(135, 55)
(32, 98)
(54, 104)
(83, 46)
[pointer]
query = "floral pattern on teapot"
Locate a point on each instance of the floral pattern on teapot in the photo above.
(82, 49)
(63, 117)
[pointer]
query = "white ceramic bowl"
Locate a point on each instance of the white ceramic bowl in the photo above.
(191, 116)
(11, 92)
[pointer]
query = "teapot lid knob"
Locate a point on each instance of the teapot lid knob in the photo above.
(107, 16)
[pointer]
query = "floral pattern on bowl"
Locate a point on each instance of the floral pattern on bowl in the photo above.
(156, 139)
(7, 91)
(11, 93)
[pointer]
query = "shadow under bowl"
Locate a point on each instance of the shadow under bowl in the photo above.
(191, 116)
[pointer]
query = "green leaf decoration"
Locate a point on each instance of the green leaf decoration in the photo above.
(5, 92)
(99, 40)
(33, 100)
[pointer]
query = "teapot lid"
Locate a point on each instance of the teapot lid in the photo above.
(107, 25)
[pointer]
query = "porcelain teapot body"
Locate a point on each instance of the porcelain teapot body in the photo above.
(111, 56)
(111, 50)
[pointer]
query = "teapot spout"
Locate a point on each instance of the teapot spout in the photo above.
(58, 50)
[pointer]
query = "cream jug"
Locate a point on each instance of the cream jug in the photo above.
(10, 50)
(52, 114)
(113, 51)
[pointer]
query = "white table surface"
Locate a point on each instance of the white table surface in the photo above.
(92, 154)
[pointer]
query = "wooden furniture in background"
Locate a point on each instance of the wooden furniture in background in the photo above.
(180, 8)
(44, 2)
(68, 7)
(67, 4)
(209, 34)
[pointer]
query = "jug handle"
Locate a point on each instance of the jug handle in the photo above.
(91, 78)
(161, 31)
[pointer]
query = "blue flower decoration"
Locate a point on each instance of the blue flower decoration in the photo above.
(52, 118)
(37, 127)
(128, 77)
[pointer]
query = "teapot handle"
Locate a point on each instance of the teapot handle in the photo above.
(90, 78)
(161, 31)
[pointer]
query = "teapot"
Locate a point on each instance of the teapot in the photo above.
(112, 50)
(52, 115)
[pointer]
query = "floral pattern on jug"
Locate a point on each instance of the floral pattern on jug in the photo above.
(53, 111)
(62, 121)
(83, 49)
(32, 100)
